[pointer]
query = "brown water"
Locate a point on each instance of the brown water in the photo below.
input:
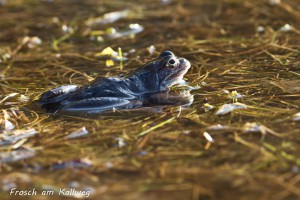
(236, 48)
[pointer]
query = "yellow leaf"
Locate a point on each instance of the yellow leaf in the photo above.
(108, 51)
(109, 63)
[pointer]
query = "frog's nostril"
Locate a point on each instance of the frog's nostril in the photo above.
(184, 62)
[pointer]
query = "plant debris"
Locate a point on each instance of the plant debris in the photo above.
(15, 136)
(239, 139)
(16, 155)
(82, 163)
(227, 108)
(108, 18)
(78, 133)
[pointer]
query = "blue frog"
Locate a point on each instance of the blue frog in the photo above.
(115, 93)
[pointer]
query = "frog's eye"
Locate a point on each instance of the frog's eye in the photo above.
(166, 53)
(171, 63)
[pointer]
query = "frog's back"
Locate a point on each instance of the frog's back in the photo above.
(103, 92)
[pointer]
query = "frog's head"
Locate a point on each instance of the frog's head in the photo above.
(162, 72)
(170, 69)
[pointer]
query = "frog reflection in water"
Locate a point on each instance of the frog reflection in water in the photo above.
(137, 89)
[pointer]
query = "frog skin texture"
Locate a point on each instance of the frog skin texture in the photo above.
(114, 93)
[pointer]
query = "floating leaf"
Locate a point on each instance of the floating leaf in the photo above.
(33, 42)
(109, 164)
(5, 54)
(255, 127)
(112, 33)
(207, 107)
(286, 28)
(78, 133)
(16, 155)
(110, 30)
(274, 2)
(23, 98)
(218, 127)
(260, 29)
(67, 29)
(121, 142)
(166, 2)
(109, 63)
(108, 18)
(108, 51)
(82, 163)
(129, 31)
(17, 135)
(209, 140)
(208, 137)
(296, 117)
(8, 97)
(151, 49)
(226, 108)
(8, 125)
(111, 55)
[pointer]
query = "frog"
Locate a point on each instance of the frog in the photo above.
(141, 86)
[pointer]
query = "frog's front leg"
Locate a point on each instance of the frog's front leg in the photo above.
(56, 94)
(99, 104)
(184, 98)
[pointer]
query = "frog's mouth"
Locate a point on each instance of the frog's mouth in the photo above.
(177, 75)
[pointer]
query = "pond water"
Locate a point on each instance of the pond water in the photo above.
(238, 140)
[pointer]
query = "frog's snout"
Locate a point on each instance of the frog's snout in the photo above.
(184, 63)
